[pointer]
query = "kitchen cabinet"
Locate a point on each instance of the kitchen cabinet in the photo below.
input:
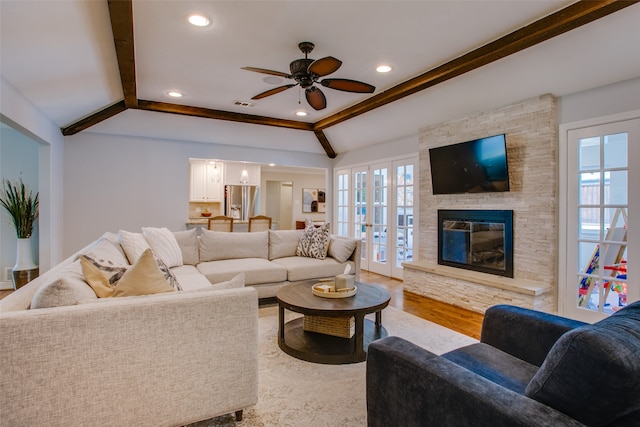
(206, 181)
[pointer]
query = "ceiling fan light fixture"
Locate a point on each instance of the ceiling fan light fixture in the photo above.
(199, 20)
(383, 68)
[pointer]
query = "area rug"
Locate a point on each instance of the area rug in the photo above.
(295, 393)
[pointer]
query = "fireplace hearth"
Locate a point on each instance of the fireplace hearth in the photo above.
(478, 240)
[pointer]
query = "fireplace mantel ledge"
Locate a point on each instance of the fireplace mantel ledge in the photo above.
(521, 286)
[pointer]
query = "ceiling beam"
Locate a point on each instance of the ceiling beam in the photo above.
(94, 119)
(325, 144)
(207, 113)
(121, 15)
(567, 19)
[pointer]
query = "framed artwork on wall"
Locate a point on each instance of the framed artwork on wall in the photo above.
(314, 200)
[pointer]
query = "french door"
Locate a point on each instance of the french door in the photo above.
(375, 204)
(601, 220)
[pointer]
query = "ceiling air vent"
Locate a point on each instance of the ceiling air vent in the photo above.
(243, 103)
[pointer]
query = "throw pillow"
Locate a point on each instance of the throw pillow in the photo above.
(341, 249)
(143, 278)
(101, 275)
(188, 242)
(164, 245)
(133, 244)
(106, 249)
(106, 279)
(67, 288)
(314, 242)
(236, 282)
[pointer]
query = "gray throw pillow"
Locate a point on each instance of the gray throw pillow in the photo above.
(340, 248)
(314, 242)
(188, 242)
(67, 288)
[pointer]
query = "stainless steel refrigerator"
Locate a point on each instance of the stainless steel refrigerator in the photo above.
(242, 201)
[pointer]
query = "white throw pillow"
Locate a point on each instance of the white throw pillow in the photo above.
(133, 245)
(164, 245)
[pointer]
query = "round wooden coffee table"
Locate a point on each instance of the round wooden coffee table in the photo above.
(333, 330)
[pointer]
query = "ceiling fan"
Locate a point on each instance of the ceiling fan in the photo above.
(306, 73)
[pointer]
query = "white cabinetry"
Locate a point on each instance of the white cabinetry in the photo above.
(206, 181)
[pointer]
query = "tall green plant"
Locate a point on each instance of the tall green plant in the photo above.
(22, 206)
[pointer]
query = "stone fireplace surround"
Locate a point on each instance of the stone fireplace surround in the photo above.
(532, 137)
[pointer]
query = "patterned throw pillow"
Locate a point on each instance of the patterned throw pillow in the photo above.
(314, 242)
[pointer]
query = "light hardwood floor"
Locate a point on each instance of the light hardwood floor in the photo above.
(456, 318)
(459, 319)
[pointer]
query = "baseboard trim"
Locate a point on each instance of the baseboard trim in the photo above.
(6, 286)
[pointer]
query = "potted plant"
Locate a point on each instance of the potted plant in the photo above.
(22, 206)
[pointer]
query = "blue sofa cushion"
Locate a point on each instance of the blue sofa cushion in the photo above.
(495, 365)
(592, 372)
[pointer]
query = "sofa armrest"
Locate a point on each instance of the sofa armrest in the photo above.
(355, 257)
(524, 333)
(410, 386)
(165, 359)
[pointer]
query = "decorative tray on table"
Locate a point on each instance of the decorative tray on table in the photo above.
(328, 290)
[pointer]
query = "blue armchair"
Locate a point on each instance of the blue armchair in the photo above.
(529, 369)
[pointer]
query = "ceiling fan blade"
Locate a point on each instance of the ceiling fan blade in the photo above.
(348, 85)
(265, 71)
(273, 91)
(315, 98)
(324, 66)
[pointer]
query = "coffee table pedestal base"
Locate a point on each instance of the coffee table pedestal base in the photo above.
(320, 348)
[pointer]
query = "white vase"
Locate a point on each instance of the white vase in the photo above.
(25, 269)
(24, 256)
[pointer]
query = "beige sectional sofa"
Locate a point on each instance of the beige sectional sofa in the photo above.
(69, 358)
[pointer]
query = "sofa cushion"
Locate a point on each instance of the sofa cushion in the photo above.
(218, 245)
(256, 270)
(591, 372)
(314, 242)
(133, 244)
(164, 245)
(303, 268)
(190, 278)
(188, 242)
(67, 288)
(495, 365)
(341, 248)
(283, 243)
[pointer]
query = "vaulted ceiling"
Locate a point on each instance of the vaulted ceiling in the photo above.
(106, 67)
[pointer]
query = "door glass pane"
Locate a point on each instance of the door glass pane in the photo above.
(602, 222)
(343, 205)
(404, 214)
(615, 151)
(360, 210)
(379, 220)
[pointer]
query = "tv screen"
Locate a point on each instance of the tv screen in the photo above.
(476, 166)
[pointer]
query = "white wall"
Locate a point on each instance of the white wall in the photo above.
(407, 146)
(599, 102)
(120, 182)
(299, 181)
(19, 113)
(18, 159)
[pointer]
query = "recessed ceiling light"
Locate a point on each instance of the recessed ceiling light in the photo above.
(301, 113)
(174, 94)
(272, 164)
(199, 20)
(383, 69)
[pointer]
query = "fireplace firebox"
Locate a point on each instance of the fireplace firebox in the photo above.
(479, 240)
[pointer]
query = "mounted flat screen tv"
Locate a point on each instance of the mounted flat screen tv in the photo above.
(476, 166)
